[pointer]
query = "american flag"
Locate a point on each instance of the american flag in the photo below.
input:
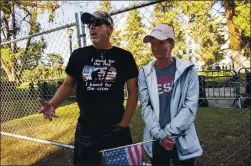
(130, 155)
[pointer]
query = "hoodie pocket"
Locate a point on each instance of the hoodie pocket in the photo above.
(188, 143)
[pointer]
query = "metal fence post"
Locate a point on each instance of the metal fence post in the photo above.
(237, 87)
(78, 32)
(83, 31)
(247, 101)
(202, 92)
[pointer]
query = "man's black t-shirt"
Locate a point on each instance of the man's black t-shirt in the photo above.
(100, 77)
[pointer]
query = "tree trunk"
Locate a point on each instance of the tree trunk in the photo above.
(9, 72)
(14, 28)
(234, 32)
(5, 20)
(6, 16)
(19, 71)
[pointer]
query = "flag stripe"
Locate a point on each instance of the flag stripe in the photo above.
(140, 154)
(128, 156)
(131, 155)
(137, 153)
(134, 154)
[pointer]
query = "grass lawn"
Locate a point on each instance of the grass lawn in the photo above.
(224, 135)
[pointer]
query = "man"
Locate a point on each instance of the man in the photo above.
(99, 72)
(168, 91)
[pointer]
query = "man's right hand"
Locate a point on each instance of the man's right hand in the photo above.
(47, 109)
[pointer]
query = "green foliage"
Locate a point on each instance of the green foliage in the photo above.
(42, 72)
(15, 62)
(30, 59)
(133, 35)
(8, 57)
(238, 21)
(242, 20)
(242, 17)
(25, 85)
(210, 50)
(55, 59)
(47, 89)
(116, 38)
(105, 5)
(16, 58)
(206, 30)
(169, 13)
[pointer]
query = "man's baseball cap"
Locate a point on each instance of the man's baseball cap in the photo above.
(100, 15)
(160, 32)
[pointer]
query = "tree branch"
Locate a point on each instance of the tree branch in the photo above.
(5, 19)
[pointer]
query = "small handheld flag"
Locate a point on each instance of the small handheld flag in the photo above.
(129, 155)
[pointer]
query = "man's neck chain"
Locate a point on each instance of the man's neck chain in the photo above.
(103, 53)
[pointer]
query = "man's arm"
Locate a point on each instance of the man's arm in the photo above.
(132, 87)
(48, 108)
(63, 92)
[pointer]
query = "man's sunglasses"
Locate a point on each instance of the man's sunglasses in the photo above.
(97, 23)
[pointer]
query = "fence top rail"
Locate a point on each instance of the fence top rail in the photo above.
(136, 6)
(40, 33)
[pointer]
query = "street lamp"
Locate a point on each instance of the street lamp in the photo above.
(70, 32)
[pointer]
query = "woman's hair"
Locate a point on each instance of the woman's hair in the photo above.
(170, 40)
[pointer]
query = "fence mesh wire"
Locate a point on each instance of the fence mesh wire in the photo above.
(205, 35)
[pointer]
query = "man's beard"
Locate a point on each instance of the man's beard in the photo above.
(99, 40)
(95, 41)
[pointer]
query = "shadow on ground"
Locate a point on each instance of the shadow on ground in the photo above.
(64, 156)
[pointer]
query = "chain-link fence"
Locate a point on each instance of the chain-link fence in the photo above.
(206, 33)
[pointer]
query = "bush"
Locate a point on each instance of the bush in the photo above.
(47, 89)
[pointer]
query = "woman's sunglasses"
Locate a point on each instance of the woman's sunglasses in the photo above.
(97, 23)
